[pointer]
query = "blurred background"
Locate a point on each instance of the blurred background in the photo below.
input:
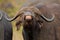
(11, 7)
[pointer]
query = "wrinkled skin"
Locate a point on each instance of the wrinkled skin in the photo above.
(6, 29)
(49, 30)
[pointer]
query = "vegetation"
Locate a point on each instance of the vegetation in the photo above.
(11, 7)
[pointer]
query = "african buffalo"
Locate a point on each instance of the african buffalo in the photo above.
(5, 28)
(40, 22)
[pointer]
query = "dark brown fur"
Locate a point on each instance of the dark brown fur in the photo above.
(49, 30)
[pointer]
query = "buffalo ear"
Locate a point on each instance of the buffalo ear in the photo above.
(40, 22)
(18, 22)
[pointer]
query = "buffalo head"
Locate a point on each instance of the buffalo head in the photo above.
(29, 14)
(29, 11)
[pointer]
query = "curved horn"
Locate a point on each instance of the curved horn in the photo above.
(17, 15)
(1, 15)
(47, 19)
(39, 13)
(11, 19)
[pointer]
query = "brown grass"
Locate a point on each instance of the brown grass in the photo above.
(17, 35)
